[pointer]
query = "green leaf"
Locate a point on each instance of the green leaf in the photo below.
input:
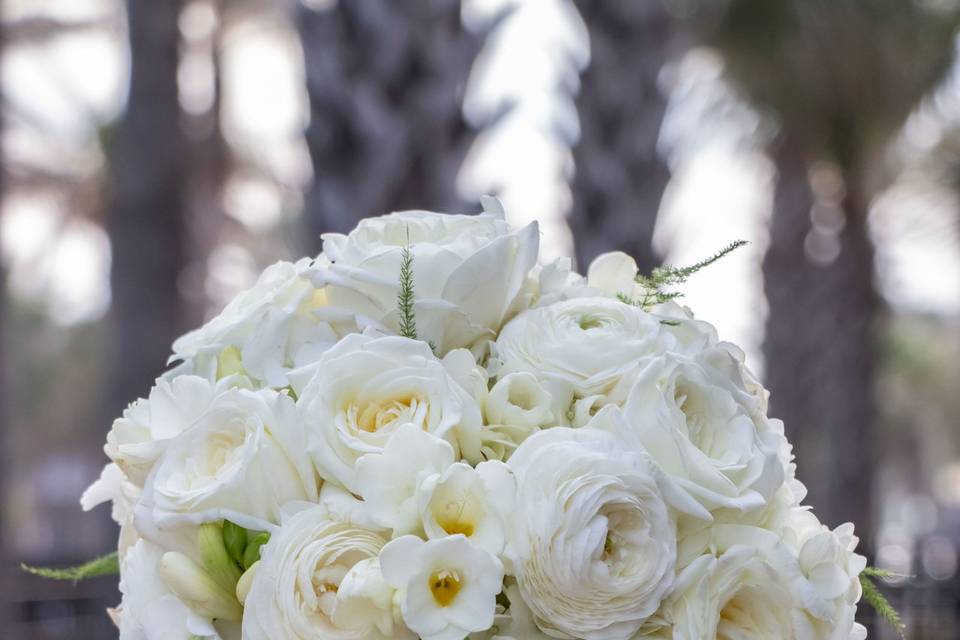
(873, 597)
(108, 565)
(666, 276)
(405, 299)
(235, 540)
(252, 552)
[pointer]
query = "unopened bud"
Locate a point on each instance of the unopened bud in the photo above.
(201, 593)
(252, 553)
(245, 582)
(216, 559)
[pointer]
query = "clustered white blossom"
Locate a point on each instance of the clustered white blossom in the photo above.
(545, 460)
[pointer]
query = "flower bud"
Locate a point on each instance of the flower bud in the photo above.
(235, 540)
(195, 588)
(245, 582)
(216, 560)
(252, 552)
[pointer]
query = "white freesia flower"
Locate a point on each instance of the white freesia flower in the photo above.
(448, 586)
(828, 584)
(148, 609)
(281, 322)
(519, 399)
(469, 271)
(580, 348)
(388, 481)
(137, 439)
(593, 545)
(294, 593)
(469, 501)
(365, 388)
(703, 431)
(241, 461)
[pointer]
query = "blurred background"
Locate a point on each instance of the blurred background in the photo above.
(157, 154)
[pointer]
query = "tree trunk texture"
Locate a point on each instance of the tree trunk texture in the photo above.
(819, 343)
(385, 82)
(146, 222)
(620, 176)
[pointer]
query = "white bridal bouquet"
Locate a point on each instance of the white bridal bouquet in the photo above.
(423, 432)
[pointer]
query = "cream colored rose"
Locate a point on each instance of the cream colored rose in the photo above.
(365, 388)
(592, 542)
(469, 271)
(242, 460)
(282, 322)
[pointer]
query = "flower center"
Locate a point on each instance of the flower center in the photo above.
(383, 413)
(445, 585)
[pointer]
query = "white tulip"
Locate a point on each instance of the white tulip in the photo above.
(448, 587)
(469, 271)
(365, 388)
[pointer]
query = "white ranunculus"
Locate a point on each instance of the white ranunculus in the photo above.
(389, 481)
(470, 501)
(147, 426)
(703, 431)
(294, 593)
(282, 322)
(148, 609)
(242, 460)
(365, 388)
(448, 587)
(828, 580)
(519, 399)
(737, 591)
(365, 597)
(580, 348)
(593, 544)
(469, 271)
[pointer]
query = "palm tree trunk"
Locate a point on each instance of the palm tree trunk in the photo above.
(818, 350)
(385, 82)
(620, 176)
(146, 225)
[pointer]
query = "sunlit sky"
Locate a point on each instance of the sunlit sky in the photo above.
(721, 188)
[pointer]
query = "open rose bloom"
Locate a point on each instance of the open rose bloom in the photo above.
(425, 432)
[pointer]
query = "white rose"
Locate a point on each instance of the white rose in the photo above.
(701, 428)
(592, 545)
(469, 271)
(828, 581)
(295, 586)
(737, 589)
(580, 348)
(448, 587)
(365, 388)
(280, 323)
(147, 426)
(148, 609)
(242, 460)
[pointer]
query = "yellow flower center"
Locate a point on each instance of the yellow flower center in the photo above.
(377, 415)
(445, 585)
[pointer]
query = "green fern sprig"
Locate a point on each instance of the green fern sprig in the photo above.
(108, 565)
(879, 603)
(655, 283)
(405, 299)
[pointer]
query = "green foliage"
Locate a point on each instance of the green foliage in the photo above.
(252, 553)
(654, 285)
(108, 565)
(873, 597)
(405, 299)
(235, 540)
